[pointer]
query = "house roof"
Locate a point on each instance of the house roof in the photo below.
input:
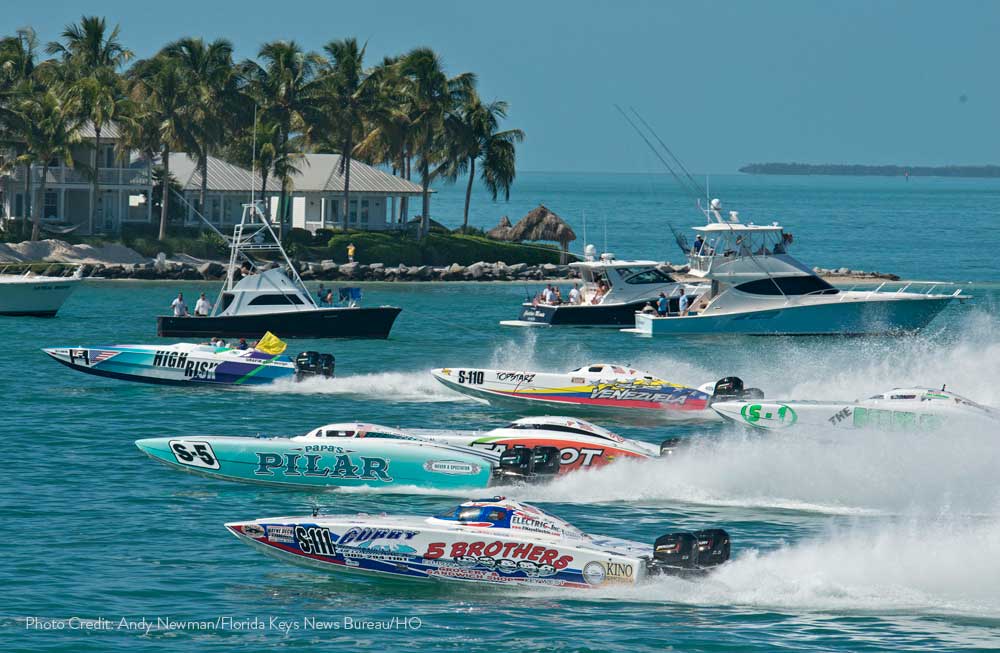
(318, 173)
(109, 131)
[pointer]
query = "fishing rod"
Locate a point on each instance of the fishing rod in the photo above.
(680, 165)
(694, 191)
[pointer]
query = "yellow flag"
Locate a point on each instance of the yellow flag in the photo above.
(270, 344)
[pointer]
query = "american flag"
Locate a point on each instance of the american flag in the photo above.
(101, 355)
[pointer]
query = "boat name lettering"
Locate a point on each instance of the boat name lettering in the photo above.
(315, 540)
(639, 392)
(497, 549)
(840, 415)
(570, 455)
(883, 418)
(295, 464)
(520, 377)
(472, 377)
(179, 361)
(372, 534)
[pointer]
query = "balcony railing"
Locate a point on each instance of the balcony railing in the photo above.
(77, 176)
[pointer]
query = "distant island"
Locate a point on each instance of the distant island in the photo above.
(869, 171)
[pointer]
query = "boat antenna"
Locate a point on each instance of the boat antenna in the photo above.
(253, 155)
(685, 186)
(605, 233)
(670, 152)
(585, 233)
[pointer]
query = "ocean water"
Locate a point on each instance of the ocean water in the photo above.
(852, 541)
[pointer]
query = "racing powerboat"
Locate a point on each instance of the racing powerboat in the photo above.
(497, 541)
(529, 450)
(900, 408)
(598, 387)
(35, 295)
(191, 364)
(611, 293)
(757, 288)
(272, 300)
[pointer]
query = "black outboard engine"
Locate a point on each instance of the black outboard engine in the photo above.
(523, 465)
(313, 363)
(731, 388)
(686, 553)
(670, 446)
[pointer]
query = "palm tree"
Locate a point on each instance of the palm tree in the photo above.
(284, 88)
(92, 57)
(350, 95)
(431, 97)
(211, 84)
(51, 126)
(18, 56)
(473, 135)
(158, 85)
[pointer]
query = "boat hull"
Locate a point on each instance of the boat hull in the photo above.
(41, 298)
(326, 463)
(167, 367)
(581, 315)
(414, 550)
(846, 318)
(566, 391)
(354, 322)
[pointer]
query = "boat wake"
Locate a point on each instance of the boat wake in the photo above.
(833, 472)
(409, 387)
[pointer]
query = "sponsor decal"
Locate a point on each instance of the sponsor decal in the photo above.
(179, 361)
(578, 379)
(594, 573)
(502, 555)
(471, 377)
(773, 415)
(194, 453)
(451, 467)
(285, 534)
(466, 574)
(315, 540)
(840, 415)
(296, 464)
(526, 522)
(81, 354)
(253, 530)
(618, 572)
(641, 390)
(515, 377)
(882, 418)
(358, 535)
(583, 455)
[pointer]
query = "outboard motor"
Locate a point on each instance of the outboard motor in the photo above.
(313, 363)
(670, 446)
(523, 465)
(685, 553)
(731, 388)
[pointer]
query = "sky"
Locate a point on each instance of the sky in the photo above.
(724, 83)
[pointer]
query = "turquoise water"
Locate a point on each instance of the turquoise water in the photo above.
(841, 541)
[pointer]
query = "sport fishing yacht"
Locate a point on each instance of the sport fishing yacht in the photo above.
(757, 288)
(611, 291)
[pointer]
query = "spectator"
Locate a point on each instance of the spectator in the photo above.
(574, 295)
(350, 253)
(662, 305)
(202, 307)
(180, 308)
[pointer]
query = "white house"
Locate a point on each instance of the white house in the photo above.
(316, 196)
(125, 188)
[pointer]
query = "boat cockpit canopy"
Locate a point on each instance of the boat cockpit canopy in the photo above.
(360, 431)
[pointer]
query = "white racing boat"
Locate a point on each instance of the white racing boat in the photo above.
(495, 541)
(35, 295)
(599, 387)
(900, 409)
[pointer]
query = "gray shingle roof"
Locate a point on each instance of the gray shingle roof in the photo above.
(318, 173)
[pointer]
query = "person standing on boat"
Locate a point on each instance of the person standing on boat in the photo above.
(662, 305)
(350, 253)
(682, 305)
(180, 308)
(202, 307)
(699, 242)
(574, 294)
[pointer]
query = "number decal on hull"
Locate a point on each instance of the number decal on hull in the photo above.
(194, 453)
(471, 377)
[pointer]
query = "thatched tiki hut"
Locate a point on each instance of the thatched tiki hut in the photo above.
(502, 231)
(542, 224)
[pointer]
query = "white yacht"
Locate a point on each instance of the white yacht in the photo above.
(35, 295)
(757, 288)
(611, 291)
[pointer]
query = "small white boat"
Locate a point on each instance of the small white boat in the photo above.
(35, 295)
(493, 541)
(611, 291)
(757, 288)
(900, 409)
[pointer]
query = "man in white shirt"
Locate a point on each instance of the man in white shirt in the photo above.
(683, 305)
(574, 294)
(203, 307)
(180, 308)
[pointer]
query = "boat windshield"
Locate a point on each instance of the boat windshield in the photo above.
(637, 276)
(495, 516)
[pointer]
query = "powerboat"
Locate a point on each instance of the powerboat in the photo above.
(35, 295)
(610, 294)
(757, 288)
(899, 409)
(598, 387)
(273, 300)
(495, 540)
(352, 454)
(191, 364)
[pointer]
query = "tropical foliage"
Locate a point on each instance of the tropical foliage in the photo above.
(406, 113)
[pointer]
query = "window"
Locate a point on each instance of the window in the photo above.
(275, 300)
(596, 369)
(19, 205)
(649, 276)
(353, 213)
(51, 205)
(804, 285)
(364, 211)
